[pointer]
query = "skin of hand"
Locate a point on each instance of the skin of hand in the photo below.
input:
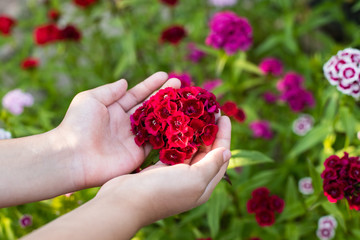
(97, 130)
(127, 203)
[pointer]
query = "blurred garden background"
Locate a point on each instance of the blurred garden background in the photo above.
(269, 62)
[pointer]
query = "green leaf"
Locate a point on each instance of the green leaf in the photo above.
(315, 177)
(247, 66)
(348, 121)
(315, 136)
(245, 157)
(216, 206)
(331, 208)
(332, 105)
(291, 196)
(292, 231)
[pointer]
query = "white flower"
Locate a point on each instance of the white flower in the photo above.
(222, 3)
(303, 124)
(4, 134)
(305, 186)
(327, 222)
(15, 101)
(325, 233)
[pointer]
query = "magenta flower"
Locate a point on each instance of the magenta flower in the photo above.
(230, 32)
(261, 129)
(342, 70)
(271, 66)
(185, 78)
(270, 97)
(223, 3)
(15, 101)
(25, 221)
(212, 84)
(290, 81)
(195, 54)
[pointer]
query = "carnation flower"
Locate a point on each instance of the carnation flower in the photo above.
(46, 34)
(4, 134)
(184, 78)
(341, 177)
(195, 54)
(230, 32)
(30, 63)
(342, 70)
(302, 125)
(15, 101)
(229, 108)
(70, 33)
(212, 84)
(6, 24)
(173, 34)
(264, 206)
(84, 3)
(325, 233)
(261, 129)
(53, 15)
(290, 81)
(326, 227)
(305, 186)
(176, 121)
(270, 97)
(25, 221)
(271, 66)
(170, 3)
(222, 3)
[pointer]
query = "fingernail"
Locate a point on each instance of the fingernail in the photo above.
(226, 155)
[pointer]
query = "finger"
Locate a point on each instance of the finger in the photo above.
(223, 136)
(109, 93)
(211, 164)
(142, 90)
(173, 82)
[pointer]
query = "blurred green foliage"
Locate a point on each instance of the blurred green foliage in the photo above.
(121, 40)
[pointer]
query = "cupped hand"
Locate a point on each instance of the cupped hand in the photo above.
(161, 190)
(97, 130)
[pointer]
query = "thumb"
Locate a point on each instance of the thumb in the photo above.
(109, 93)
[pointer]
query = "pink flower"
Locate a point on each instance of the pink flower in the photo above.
(185, 78)
(25, 221)
(261, 129)
(230, 32)
(327, 221)
(290, 81)
(303, 124)
(15, 101)
(271, 66)
(212, 84)
(305, 186)
(195, 54)
(342, 70)
(270, 97)
(223, 3)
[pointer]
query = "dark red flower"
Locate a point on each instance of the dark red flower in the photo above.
(173, 34)
(354, 171)
(157, 141)
(193, 108)
(172, 156)
(6, 24)
(209, 133)
(177, 123)
(30, 63)
(333, 191)
(240, 115)
(53, 15)
(253, 205)
(229, 108)
(265, 218)
(332, 161)
(276, 204)
(260, 192)
(84, 3)
(171, 3)
(46, 34)
(71, 33)
(329, 174)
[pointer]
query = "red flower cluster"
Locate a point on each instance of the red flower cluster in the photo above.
(6, 23)
(176, 121)
(341, 178)
(30, 63)
(231, 109)
(84, 3)
(51, 33)
(171, 3)
(173, 34)
(264, 206)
